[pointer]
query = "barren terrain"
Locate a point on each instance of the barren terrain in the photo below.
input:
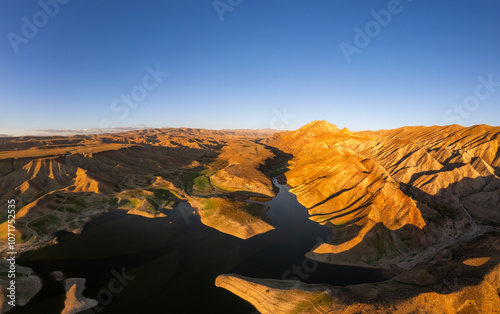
(422, 203)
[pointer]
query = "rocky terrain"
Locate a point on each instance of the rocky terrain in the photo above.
(60, 183)
(422, 203)
(75, 302)
(395, 197)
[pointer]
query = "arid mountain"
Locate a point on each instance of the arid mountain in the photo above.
(422, 203)
(394, 192)
(407, 200)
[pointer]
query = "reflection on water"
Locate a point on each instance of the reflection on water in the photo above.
(168, 265)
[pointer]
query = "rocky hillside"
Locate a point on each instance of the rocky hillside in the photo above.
(60, 183)
(421, 202)
(394, 197)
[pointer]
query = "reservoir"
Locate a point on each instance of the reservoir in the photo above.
(169, 265)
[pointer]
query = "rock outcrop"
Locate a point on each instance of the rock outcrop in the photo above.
(75, 302)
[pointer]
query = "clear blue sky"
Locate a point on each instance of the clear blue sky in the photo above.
(264, 56)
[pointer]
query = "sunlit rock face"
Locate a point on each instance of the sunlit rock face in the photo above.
(421, 202)
(75, 301)
(394, 197)
(241, 173)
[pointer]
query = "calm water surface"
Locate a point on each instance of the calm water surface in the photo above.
(174, 261)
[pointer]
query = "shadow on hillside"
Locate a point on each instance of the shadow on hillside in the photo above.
(477, 197)
(276, 166)
(459, 245)
(138, 164)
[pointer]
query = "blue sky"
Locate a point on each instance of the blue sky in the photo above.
(265, 64)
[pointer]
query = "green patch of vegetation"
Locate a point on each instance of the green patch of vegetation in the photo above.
(76, 201)
(324, 299)
(218, 164)
(202, 184)
(162, 194)
(25, 236)
(320, 299)
(43, 224)
(131, 203)
(221, 188)
(208, 204)
(74, 209)
(169, 176)
(187, 179)
(136, 193)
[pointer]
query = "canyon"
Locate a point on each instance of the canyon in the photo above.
(420, 203)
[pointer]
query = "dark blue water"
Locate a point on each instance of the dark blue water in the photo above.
(170, 264)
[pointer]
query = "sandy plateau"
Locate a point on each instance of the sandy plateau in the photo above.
(422, 203)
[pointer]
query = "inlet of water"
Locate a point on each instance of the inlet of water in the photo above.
(174, 261)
